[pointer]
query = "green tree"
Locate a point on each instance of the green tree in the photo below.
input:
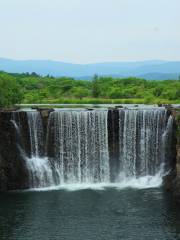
(10, 92)
(95, 87)
(80, 92)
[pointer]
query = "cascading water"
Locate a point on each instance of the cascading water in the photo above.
(40, 172)
(145, 137)
(80, 146)
(75, 148)
(36, 132)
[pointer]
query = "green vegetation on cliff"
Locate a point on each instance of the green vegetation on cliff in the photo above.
(32, 88)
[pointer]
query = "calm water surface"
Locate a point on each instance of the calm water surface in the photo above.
(109, 214)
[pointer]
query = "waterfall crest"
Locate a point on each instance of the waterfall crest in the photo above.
(75, 149)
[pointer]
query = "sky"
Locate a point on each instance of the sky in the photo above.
(88, 31)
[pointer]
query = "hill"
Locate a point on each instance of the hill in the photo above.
(159, 70)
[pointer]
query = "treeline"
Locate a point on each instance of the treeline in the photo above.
(32, 88)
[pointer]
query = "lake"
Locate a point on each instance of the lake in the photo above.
(89, 214)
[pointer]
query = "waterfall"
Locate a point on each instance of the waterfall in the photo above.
(80, 146)
(143, 141)
(36, 132)
(40, 172)
(75, 147)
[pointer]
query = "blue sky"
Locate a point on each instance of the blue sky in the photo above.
(84, 31)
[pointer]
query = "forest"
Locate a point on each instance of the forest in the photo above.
(32, 88)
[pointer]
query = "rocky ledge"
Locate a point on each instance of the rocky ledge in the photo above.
(12, 165)
(172, 180)
(176, 182)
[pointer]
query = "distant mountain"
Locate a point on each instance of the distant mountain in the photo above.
(156, 69)
(160, 76)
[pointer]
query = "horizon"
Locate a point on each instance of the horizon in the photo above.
(89, 63)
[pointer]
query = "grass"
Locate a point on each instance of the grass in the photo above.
(105, 101)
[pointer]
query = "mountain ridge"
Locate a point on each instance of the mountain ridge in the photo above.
(149, 69)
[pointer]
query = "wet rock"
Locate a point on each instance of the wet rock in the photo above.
(13, 173)
(172, 182)
(169, 181)
(45, 112)
(13, 109)
(120, 106)
(113, 142)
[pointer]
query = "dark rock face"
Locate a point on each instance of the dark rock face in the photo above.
(13, 173)
(113, 141)
(45, 116)
(45, 112)
(171, 152)
(177, 169)
(15, 147)
(172, 180)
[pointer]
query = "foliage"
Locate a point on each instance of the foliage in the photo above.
(32, 88)
(10, 92)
